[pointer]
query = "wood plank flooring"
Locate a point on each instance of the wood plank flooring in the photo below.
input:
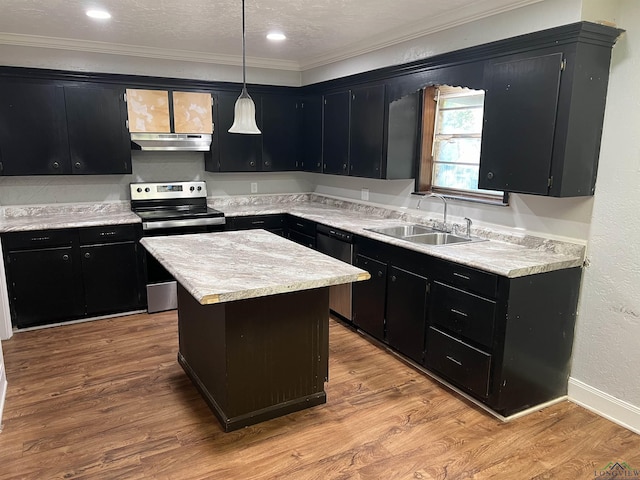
(107, 399)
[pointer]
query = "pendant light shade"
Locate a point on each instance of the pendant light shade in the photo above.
(244, 117)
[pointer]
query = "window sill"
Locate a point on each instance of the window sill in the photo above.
(504, 202)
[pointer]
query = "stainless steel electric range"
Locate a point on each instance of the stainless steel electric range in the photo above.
(171, 208)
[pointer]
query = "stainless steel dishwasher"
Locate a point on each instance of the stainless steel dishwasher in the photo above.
(337, 244)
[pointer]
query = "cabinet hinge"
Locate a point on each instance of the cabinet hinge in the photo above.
(124, 97)
(550, 181)
(563, 65)
(126, 124)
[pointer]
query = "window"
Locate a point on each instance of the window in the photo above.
(452, 131)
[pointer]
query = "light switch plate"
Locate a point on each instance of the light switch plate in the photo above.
(254, 187)
(364, 194)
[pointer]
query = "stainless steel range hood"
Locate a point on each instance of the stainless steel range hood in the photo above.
(172, 142)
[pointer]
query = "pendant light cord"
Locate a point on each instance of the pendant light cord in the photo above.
(244, 65)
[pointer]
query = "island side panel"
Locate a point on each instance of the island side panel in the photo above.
(259, 358)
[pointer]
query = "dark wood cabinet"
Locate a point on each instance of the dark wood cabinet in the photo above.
(366, 135)
(43, 281)
(111, 269)
(543, 118)
(281, 118)
(366, 131)
(335, 133)
(233, 152)
(504, 341)
(96, 122)
(52, 128)
(301, 231)
(310, 146)
(60, 275)
(369, 298)
(406, 313)
(33, 129)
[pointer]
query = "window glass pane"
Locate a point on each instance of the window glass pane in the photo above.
(459, 121)
(456, 150)
(455, 176)
(465, 101)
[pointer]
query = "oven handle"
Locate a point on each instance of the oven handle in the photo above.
(184, 222)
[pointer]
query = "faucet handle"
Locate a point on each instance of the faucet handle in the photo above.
(469, 222)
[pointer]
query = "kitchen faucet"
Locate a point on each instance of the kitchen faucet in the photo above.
(444, 210)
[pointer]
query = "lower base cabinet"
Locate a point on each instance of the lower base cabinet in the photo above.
(504, 341)
(67, 274)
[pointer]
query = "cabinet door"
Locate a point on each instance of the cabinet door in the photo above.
(33, 129)
(44, 286)
(192, 112)
(148, 111)
(111, 277)
(280, 129)
(311, 139)
(98, 139)
(335, 134)
(369, 297)
(406, 312)
(520, 108)
(238, 152)
(366, 131)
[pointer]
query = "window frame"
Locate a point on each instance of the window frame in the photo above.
(424, 177)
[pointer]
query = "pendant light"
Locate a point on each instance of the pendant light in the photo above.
(244, 118)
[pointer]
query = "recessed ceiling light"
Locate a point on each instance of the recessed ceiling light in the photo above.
(99, 14)
(276, 36)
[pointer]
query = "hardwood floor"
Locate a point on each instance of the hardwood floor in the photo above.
(107, 399)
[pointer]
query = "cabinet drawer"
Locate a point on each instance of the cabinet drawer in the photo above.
(301, 225)
(266, 222)
(107, 234)
(466, 278)
(463, 313)
(464, 365)
(37, 239)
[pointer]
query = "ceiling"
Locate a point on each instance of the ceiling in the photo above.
(318, 31)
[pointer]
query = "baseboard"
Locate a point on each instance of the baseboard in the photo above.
(605, 405)
(3, 389)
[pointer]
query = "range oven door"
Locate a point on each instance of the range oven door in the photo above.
(162, 290)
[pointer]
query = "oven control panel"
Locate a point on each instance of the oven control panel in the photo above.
(168, 190)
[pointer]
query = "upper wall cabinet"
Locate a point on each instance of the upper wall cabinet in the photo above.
(365, 135)
(543, 119)
(161, 111)
(234, 152)
(49, 128)
(310, 139)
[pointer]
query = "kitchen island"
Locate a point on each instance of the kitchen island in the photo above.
(253, 312)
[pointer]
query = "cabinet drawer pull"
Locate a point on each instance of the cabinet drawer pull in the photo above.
(379, 273)
(40, 239)
(77, 165)
(393, 278)
(299, 225)
(107, 234)
(456, 274)
(458, 312)
(56, 165)
(457, 362)
(87, 255)
(65, 257)
(257, 222)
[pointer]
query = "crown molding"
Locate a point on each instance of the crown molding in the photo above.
(419, 29)
(37, 41)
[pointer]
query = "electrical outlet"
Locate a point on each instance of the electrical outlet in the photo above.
(364, 194)
(254, 187)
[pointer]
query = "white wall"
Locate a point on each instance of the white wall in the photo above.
(606, 356)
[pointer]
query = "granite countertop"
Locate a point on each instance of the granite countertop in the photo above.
(227, 266)
(495, 256)
(47, 217)
(506, 255)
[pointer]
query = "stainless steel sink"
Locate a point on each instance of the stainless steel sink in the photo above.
(439, 238)
(423, 235)
(402, 231)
